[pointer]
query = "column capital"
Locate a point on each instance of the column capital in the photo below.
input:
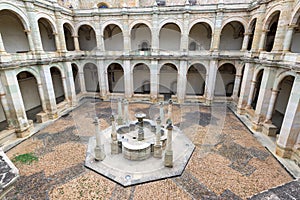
(292, 26)
(275, 91)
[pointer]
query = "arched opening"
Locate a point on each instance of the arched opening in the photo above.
(30, 94)
(232, 36)
(225, 80)
(76, 78)
(102, 5)
(47, 35)
(295, 47)
(200, 37)
(115, 74)
(196, 80)
(272, 28)
(12, 30)
(251, 34)
(169, 37)
(87, 38)
(256, 89)
(113, 38)
(141, 79)
(168, 80)
(284, 92)
(68, 37)
(140, 37)
(91, 78)
(57, 84)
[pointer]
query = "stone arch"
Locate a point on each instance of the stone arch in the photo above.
(30, 93)
(31, 70)
(140, 34)
(232, 36)
(103, 5)
(225, 77)
(91, 77)
(167, 62)
(17, 11)
(170, 37)
(281, 76)
(87, 37)
(235, 19)
(275, 8)
(58, 77)
(201, 35)
(141, 78)
(196, 76)
(113, 37)
(136, 22)
(49, 19)
(251, 30)
(115, 77)
(69, 34)
(202, 20)
(47, 32)
(88, 23)
(271, 27)
(170, 21)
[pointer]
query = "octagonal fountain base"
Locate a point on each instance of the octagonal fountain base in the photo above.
(126, 171)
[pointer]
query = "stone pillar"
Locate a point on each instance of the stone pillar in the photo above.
(288, 38)
(155, 31)
(236, 87)
(264, 97)
(114, 137)
(245, 87)
(71, 93)
(290, 128)
(82, 81)
(98, 33)
(251, 93)
(76, 42)
(182, 80)
(212, 75)
(2, 48)
(16, 104)
(120, 113)
(61, 45)
(162, 112)
(170, 106)
(30, 40)
(5, 106)
(41, 94)
(217, 32)
(262, 40)
(258, 28)
(127, 79)
(126, 33)
(126, 112)
(154, 80)
(184, 43)
(102, 79)
(245, 41)
(49, 92)
(169, 150)
(271, 106)
(35, 31)
(99, 149)
(157, 146)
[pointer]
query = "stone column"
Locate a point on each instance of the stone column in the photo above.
(236, 87)
(154, 80)
(251, 93)
(290, 128)
(126, 112)
(169, 150)
(170, 106)
(41, 94)
(212, 75)
(99, 149)
(162, 112)
(127, 79)
(264, 97)
(155, 31)
(157, 146)
(120, 113)
(2, 48)
(82, 82)
(262, 40)
(271, 106)
(126, 33)
(258, 28)
(98, 33)
(245, 87)
(71, 93)
(245, 41)
(182, 80)
(5, 106)
(217, 32)
(16, 104)
(30, 40)
(184, 43)
(288, 38)
(60, 33)
(49, 92)
(114, 137)
(76, 42)
(102, 79)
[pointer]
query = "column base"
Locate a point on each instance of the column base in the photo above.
(52, 115)
(42, 117)
(256, 126)
(269, 129)
(240, 111)
(114, 147)
(99, 153)
(208, 102)
(283, 152)
(23, 133)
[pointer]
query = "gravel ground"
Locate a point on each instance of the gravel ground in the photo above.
(228, 162)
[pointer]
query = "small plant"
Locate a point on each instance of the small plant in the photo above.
(26, 158)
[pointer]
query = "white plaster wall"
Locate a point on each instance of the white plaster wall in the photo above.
(228, 42)
(201, 36)
(13, 35)
(115, 42)
(87, 40)
(283, 97)
(140, 76)
(139, 35)
(91, 77)
(48, 39)
(295, 43)
(57, 85)
(169, 37)
(30, 93)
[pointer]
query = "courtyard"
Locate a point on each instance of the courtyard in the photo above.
(227, 163)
